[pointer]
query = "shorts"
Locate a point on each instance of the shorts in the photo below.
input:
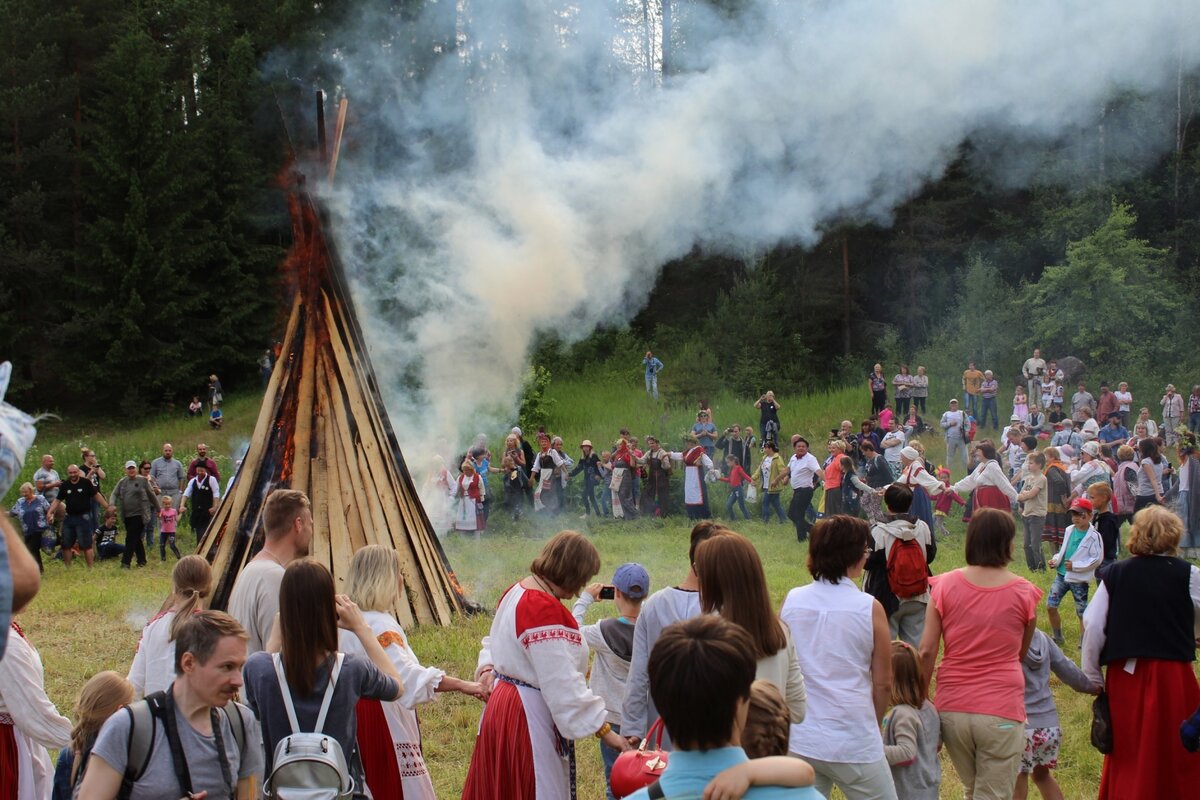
(1041, 749)
(1059, 590)
(77, 529)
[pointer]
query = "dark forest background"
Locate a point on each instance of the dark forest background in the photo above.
(141, 230)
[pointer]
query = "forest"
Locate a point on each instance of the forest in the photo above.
(143, 225)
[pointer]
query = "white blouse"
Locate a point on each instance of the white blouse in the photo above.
(36, 721)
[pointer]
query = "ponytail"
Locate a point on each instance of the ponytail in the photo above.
(192, 581)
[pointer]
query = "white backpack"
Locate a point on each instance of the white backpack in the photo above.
(309, 766)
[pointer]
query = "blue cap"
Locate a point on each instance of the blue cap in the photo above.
(632, 580)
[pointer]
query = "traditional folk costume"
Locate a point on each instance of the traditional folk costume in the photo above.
(540, 702)
(435, 496)
(924, 487)
(1058, 502)
(988, 486)
(657, 497)
(468, 503)
(389, 735)
(696, 465)
(547, 490)
(623, 477)
(29, 723)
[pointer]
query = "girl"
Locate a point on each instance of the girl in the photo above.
(1020, 402)
(168, 517)
(102, 696)
(944, 503)
(738, 480)
(31, 509)
(468, 494)
(153, 667)
(911, 730)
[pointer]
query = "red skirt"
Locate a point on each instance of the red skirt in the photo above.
(1148, 760)
(991, 497)
(10, 768)
(502, 765)
(377, 751)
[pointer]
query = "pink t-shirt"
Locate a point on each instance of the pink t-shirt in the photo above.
(982, 629)
(168, 517)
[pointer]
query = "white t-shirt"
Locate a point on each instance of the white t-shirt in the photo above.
(255, 601)
(1125, 399)
(893, 453)
(803, 471)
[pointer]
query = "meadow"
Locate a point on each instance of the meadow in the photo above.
(84, 622)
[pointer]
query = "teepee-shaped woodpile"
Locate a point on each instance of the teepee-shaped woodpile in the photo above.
(323, 429)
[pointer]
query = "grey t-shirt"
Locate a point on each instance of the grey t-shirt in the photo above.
(255, 599)
(159, 781)
(49, 476)
(168, 475)
(358, 678)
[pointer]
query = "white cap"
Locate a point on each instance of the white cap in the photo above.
(129, 464)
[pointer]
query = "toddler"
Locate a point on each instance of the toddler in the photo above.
(944, 503)
(1020, 402)
(911, 730)
(168, 518)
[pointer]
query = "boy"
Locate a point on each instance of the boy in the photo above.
(1032, 498)
(1076, 560)
(1107, 524)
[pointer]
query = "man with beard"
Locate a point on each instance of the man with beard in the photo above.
(288, 524)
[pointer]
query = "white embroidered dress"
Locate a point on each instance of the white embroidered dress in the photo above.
(36, 723)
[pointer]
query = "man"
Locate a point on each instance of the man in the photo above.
(202, 458)
(988, 390)
(710, 658)
(288, 530)
(204, 492)
(47, 482)
(652, 366)
(954, 423)
(666, 606)
(892, 444)
(1114, 431)
(804, 475)
(1172, 406)
(706, 433)
(657, 462)
(972, 380)
(76, 498)
(215, 763)
(1194, 410)
(1106, 403)
(1064, 433)
(732, 444)
(1033, 369)
(906, 615)
(1080, 400)
(136, 505)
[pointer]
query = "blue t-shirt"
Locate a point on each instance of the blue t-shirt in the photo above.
(690, 771)
(705, 431)
(1074, 537)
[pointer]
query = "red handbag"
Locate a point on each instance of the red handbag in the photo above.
(637, 769)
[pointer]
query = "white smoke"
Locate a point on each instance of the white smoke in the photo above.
(536, 179)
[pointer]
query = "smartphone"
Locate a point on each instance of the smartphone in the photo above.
(607, 592)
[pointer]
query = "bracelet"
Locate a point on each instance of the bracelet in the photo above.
(605, 729)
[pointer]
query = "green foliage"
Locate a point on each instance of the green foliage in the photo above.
(536, 406)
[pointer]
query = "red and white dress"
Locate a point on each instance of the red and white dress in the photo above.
(29, 723)
(468, 503)
(696, 465)
(992, 489)
(389, 735)
(540, 702)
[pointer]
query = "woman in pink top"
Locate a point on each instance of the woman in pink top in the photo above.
(986, 615)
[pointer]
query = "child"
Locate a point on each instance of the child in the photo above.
(168, 517)
(911, 730)
(215, 419)
(1043, 735)
(515, 481)
(195, 406)
(738, 480)
(1020, 402)
(1076, 561)
(944, 503)
(604, 470)
(31, 509)
(105, 537)
(100, 698)
(612, 641)
(1107, 524)
(1032, 497)
(153, 666)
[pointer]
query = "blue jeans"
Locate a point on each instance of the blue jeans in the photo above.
(609, 757)
(1194, 422)
(652, 389)
(1059, 590)
(737, 494)
(771, 501)
(971, 401)
(956, 450)
(989, 404)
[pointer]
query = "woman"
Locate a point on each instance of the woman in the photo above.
(768, 417)
(1150, 476)
(903, 382)
(306, 637)
(986, 615)
(31, 511)
(102, 696)
(153, 666)
(469, 494)
(389, 737)
(878, 386)
(215, 393)
(534, 663)
(1148, 659)
(987, 481)
(832, 498)
(29, 722)
(1058, 497)
(1189, 488)
(1092, 469)
(733, 584)
(512, 449)
(92, 470)
(1145, 420)
(849, 675)
(920, 389)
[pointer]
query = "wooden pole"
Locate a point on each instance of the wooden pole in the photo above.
(321, 145)
(337, 137)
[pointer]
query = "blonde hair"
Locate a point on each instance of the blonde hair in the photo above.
(915, 444)
(26, 485)
(1155, 531)
(768, 722)
(374, 579)
(191, 580)
(103, 694)
(1125, 453)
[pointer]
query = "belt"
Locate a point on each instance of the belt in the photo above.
(6, 719)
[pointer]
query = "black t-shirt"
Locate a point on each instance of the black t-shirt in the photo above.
(77, 497)
(1109, 528)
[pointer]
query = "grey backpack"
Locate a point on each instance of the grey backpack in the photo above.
(308, 766)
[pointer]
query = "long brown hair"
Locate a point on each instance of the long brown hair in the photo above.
(732, 583)
(908, 687)
(101, 697)
(308, 622)
(192, 580)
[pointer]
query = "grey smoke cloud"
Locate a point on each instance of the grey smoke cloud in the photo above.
(537, 178)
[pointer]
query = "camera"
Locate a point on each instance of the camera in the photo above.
(608, 592)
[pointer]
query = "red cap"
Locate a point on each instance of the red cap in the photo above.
(1082, 503)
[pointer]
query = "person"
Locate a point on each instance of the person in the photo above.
(104, 538)
(153, 523)
(1193, 407)
(804, 475)
(1092, 469)
(304, 661)
(1124, 402)
(611, 640)
(908, 572)
(1107, 525)
(1032, 498)
(696, 465)
(589, 465)
(533, 662)
(169, 473)
(216, 418)
(75, 495)
(1033, 371)
(1076, 563)
(134, 498)
(853, 489)
(849, 678)
(202, 458)
(94, 473)
(209, 654)
(652, 367)
(768, 722)
(1114, 431)
(1125, 479)
(168, 518)
(46, 479)
(656, 500)
(1058, 497)
(29, 721)
(988, 484)
(705, 432)
(514, 487)
(912, 732)
(738, 480)
(1020, 404)
(1089, 429)
(287, 533)
(731, 443)
(33, 512)
(892, 444)
(734, 585)
(1172, 407)
(1150, 475)
(388, 733)
(468, 498)
(1043, 731)
(877, 385)
(666, 606)
(988, 390)
(1189, 497)
(920, 390)
(903, 384)
(204, 491)
(1082, 399)
(878, 476)
(768, 417)
(944, 503)
(195, 406)
(1106, 404)
(1147, 660)
(986, 616)
(215, 393)
(152, 669)
(622, 460)
(102, 696)
(772, 476)
(972, 381)
(831, 477)
(265, 362)
(920, 481)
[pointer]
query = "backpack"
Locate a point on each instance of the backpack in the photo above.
(308, 766)
(970, 430)
(907, 572)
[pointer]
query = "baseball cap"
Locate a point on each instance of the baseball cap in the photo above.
(1015, 418)
(1082, 504)
(632, 580)
(954, 400)
(129, 464)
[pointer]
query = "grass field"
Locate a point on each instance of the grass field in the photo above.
(84, 622)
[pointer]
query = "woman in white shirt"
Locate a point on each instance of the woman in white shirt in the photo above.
(991, 487)
(29, 722)
(153, 667)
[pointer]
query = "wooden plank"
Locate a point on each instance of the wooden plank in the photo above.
(339, 536)
(302, 438)
(320, 548)
(344, 456)
(337, 137)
